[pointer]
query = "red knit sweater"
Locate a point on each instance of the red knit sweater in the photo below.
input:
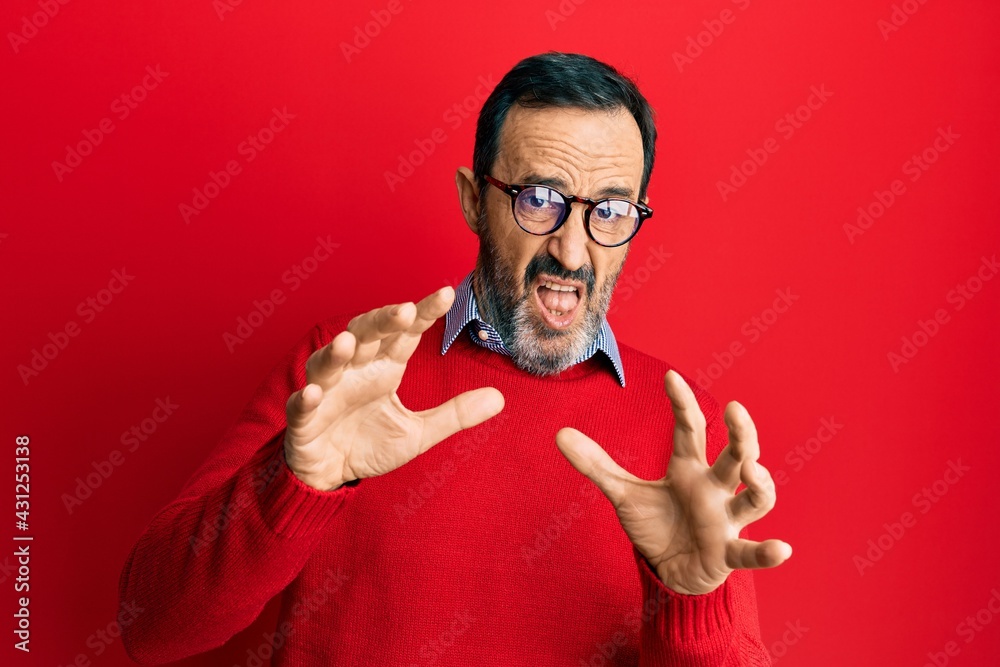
(489, 549)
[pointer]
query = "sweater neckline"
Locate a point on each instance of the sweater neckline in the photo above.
(594, 364)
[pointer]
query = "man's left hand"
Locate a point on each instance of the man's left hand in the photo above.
(687, 524)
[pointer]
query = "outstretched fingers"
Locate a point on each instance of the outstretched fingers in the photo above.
(757, 499)
(326, 364)
(743, 446)
(746, 554)
(431, 307)
(689, 421)
(590, 459)
(302, 405)
(463, 411)
(371, 328)
(428, 310)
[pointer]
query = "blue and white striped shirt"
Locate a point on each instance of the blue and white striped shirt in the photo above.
(464, 310)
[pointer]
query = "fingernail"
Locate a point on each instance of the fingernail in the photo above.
(394, 311)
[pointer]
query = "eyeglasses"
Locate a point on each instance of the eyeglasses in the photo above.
(540, 210)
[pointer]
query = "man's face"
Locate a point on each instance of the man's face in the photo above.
(546, 295)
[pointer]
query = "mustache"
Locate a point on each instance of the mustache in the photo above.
(548, 264)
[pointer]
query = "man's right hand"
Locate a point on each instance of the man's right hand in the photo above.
(347, 422)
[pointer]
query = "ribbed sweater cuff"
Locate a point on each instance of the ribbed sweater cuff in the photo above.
(684, 625)
(290, 507)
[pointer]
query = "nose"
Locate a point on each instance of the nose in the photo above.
(568, 244)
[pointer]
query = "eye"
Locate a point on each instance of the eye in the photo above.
(608, 211)
(614, 214)
(539, 199)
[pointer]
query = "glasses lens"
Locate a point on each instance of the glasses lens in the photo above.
(539, 209)
(613, 221)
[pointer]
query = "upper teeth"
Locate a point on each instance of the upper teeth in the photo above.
(559, 288)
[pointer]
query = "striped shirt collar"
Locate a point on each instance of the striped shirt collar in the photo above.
(464, 310)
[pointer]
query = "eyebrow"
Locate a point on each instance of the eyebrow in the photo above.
(559, 184)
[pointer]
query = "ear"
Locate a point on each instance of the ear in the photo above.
(468, 197)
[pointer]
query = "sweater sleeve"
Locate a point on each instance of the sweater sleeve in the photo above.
(720, 628)
(239, 532)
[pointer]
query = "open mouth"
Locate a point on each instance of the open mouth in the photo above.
(558, 300)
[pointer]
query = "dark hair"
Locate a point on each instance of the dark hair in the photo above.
(562, 80)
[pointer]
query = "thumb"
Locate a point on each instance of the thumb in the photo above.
(466, 410)
(592, 461)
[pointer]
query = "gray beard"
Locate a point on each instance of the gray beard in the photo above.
(505, 303)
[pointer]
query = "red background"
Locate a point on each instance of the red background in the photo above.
(325, 174)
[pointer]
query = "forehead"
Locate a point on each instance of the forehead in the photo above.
(579, 147)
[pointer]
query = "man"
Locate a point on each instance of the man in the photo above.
(487, 548)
